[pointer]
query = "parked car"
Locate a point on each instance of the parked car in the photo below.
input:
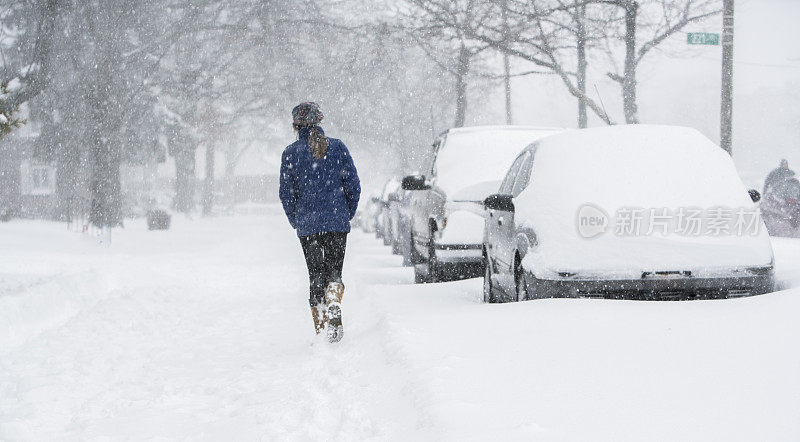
(549, 231)
(394, 218)
(780, 208)
(369, 216)
(385, 222)
(446, 202)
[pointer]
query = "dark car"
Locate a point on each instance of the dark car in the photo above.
(561, 224)
(445, 208)
(780, 208)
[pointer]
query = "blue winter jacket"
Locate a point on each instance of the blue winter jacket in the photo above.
(319, 195)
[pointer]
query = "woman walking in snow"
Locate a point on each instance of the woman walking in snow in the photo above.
(319, 190)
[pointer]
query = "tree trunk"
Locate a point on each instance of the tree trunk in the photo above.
(69, 164)
(184, 180)
(105, 187)
(583, 119)
(629, 76)
(461, 86)
(208, 185)
(106, 205)
(230, 181)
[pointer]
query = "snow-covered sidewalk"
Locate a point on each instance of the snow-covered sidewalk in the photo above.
(203, 333)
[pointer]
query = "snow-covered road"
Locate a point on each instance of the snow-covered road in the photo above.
(203, 333)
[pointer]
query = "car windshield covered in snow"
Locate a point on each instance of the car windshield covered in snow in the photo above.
(474, 155)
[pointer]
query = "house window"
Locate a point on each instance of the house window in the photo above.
(38, 179)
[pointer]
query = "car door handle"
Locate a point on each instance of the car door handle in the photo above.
(500, 220)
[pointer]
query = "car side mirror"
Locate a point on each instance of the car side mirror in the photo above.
(499, 201)
(755, 195)
(415, 182)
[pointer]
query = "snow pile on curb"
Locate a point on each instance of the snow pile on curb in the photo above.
(41, 307)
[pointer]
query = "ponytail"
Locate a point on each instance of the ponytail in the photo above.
(317, 142)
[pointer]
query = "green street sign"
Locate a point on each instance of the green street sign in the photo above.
(702, 38)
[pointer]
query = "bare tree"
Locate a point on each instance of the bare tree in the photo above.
(110, 83)
(449, 46)
(558, 35)
(655, 20)
(30, 64)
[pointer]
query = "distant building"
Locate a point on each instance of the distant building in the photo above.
(255, 189)
(27, 184)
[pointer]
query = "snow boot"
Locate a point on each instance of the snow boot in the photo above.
(320, 317)
(333, 298)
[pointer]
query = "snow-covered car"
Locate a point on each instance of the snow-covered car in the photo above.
(780, 207)
(397, 226)
(369, 216)
(386, 225)
(643, 212)
(445, 208)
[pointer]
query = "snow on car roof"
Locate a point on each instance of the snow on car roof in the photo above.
(640, 165)
(472, 129)
(472, 155)
(636, 166)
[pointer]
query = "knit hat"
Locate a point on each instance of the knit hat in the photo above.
(307, 114)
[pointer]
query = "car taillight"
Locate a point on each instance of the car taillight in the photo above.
(791, 201)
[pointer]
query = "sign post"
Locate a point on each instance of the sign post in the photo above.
(726, 110)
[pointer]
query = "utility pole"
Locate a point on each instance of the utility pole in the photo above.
(726, 111)
(208, 183)
(507, 68)
(506, 65)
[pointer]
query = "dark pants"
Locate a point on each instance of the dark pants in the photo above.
(324, 257)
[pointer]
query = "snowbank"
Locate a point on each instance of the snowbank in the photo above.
(600, 370)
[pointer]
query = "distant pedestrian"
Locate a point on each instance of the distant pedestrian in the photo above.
(778, 176)
(319, 190)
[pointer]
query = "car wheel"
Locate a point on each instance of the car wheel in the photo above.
(413, 254)
(387, 236)
(433, 264)
(420, 277)
(405, 250)
(519, 280)
(397, 245)
(488, 287)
